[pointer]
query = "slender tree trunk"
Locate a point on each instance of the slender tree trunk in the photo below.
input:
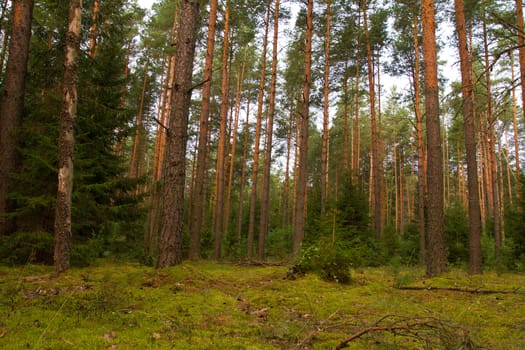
(221, 152)
(238, 95)
(491, 119)
(515, 117)
(260, 105)
(243, 174)
(170, 240)
(265, 200)
(62, 235)
(375, 157)
(12, 100)
(521, 45)
(326, 115)
(421, 162)
(286, 192)
(198, 204)
(93, 30)
(302, 175)
(136, 164)
(436, 256)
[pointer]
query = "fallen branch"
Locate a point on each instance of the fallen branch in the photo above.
(427, 330)
(463, 290)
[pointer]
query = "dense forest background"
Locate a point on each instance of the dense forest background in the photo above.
(318, 154)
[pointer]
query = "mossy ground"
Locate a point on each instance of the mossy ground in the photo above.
(219, 306)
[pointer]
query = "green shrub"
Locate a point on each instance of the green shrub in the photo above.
(331, 261)
(24, 247)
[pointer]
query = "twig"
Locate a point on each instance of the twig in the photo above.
(463, 290)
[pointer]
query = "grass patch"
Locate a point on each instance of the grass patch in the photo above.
(216, 306)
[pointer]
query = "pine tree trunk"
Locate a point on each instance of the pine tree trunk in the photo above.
(238, 94)
(492, 149)
(326, 115)
(515, 117)
(436, 256)
(375, 156)
(243, 174)
(93, 30)
(421, 158)
(258, 127)
(198, 203)
(265, 200)
(521, 45)
(136, 164)
(62, 235)
(221, 152)
(286, 193)
(12, 100)
(302, 175)
(170, 240)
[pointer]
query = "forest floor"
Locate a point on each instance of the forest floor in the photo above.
(226, 306)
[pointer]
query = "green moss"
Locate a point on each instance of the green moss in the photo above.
(214, 306)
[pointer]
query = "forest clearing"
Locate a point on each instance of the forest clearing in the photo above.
(207, 305)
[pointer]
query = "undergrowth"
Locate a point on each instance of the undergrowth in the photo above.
(216, 306)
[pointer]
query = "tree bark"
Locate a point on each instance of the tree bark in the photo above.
(302, 175)
(62, 235)
(265, 200)
(12, 100)
(326, 114)
(470, 142)
(255, 169)
(421, 159)
(375, 156)
(521, 44)
(221, 152)
(170, 240)
(198, 204)
(436, 256)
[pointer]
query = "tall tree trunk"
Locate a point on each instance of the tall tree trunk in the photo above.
(265, 200)
(238, 95)
(436, 256)
(375, 157)
(303, 124)
(62, 235)
(286, 192)
(491, 120)
(521, 45)
(326, 115)
(515, 117)
(221, 152)
(421, 159)
(138, 152)
(170, 240)
(12, 100)
(93, 30)
(260, 104)
(243, 173)
(198, 204)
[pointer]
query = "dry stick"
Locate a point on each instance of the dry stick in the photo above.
(464, 290)
(403, 325)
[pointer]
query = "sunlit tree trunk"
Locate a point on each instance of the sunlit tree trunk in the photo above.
(138, 152)
(491, 120)
(12, 100)
(521, 45)
(265, 200)
(62, 234)
(260, 105)
(436, 256)
(198, 204)
(376, 177)
(302, 174)
(243, 173)
(221, 152)
(93, 30)
(238, 94)
(515, 117)
(170, 240)
(326, 115)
